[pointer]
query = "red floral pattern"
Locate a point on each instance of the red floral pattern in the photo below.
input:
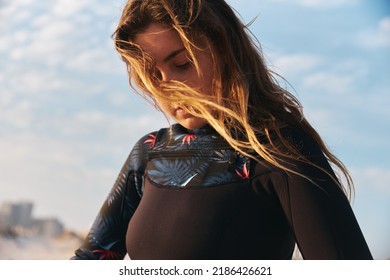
(244, 173)
(151, 140)
(188, 138)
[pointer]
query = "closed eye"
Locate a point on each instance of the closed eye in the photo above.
(184, 66)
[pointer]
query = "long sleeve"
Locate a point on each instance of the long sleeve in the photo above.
(107, 236)
(317, 210)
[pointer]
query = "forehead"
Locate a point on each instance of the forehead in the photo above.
(159, 40)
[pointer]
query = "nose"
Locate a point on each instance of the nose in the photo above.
(165, 75)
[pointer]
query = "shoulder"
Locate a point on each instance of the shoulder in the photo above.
(295, 149)
(151, 139)
(303, 164)
(138, 156)
(295, 139)
(305, 154)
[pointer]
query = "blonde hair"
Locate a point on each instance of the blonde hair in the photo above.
(247, 100)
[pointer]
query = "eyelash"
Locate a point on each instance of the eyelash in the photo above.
(184, 66)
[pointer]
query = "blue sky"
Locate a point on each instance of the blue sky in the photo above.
(68, 118)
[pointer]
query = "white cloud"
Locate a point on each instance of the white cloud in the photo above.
(294, 64)
(330, 77)
(19, 115)
(372, 178)
(95, 59)
(319, 3)
(16, 9)
(108, 127)
(49, 44)
(53, 33)
(29, 81)
(65, 8)
(330, 82)
(376, 38)
(46, 53)
(313, 4)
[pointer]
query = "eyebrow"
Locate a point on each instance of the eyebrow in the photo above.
(173, 54)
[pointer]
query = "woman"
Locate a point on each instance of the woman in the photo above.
(242, 174)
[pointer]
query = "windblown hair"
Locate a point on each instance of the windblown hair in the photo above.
(247, 99)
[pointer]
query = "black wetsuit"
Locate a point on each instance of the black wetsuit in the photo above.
(188, 195)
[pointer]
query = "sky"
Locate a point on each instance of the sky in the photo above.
(68, 118)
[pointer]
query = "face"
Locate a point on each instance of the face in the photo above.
(172, 63)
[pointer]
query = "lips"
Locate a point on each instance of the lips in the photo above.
(181, 112)
(183, 117)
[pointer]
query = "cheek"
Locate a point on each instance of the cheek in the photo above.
(207, 79)
(208, 83)
(164, 106)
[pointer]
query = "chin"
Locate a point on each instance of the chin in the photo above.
(193, 123)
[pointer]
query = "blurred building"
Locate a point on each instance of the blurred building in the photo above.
(16, 214)
(47, 227)
(18, 217)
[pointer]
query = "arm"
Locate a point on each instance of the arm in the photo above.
(318, 211)
(107, 236)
